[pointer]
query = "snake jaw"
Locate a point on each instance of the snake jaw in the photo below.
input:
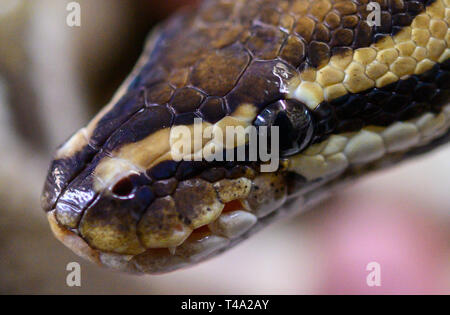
(183, 228)
(246, 202)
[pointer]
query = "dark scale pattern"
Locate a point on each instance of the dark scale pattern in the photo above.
(63, 171)
(130, 104)
(214, 174)
(399, 101)
(166, 172)
(75, 198)
(159, 94)
(213, 109)
(139, 191)
(260, 85)
(324, 27)
(190, 63)
(165, 187)
(221, 50)
(135, 194)
(265, 42)
(139, 126)
(186, 100)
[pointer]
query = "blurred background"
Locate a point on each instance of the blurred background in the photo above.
(53, 78)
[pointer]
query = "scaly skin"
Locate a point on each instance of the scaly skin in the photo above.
(370, 97)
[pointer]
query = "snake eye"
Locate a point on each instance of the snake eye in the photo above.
(123, 188)
(295, 123)
(127, 186)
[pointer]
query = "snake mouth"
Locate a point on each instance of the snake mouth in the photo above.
(233, 223)
(201, 243)
(161, 241)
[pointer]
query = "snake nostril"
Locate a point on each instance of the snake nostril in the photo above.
(124, 187)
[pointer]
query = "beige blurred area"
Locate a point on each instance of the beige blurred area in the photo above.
(53, 78)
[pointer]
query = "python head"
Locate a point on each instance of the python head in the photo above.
(155, 183)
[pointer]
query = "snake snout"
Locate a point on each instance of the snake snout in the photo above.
(70, 160)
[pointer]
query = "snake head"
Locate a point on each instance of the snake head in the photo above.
(137, 189)
(129, 200)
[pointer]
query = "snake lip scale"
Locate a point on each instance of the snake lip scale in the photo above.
(349, 98)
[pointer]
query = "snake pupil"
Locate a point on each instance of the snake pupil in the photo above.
(123, 188)
(286, 130)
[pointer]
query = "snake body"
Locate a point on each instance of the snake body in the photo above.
(352, 97)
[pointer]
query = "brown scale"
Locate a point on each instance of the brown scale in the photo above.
(159, 219)
(165, 187)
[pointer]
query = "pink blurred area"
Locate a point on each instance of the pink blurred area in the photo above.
(410, 247)
(399, 218)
